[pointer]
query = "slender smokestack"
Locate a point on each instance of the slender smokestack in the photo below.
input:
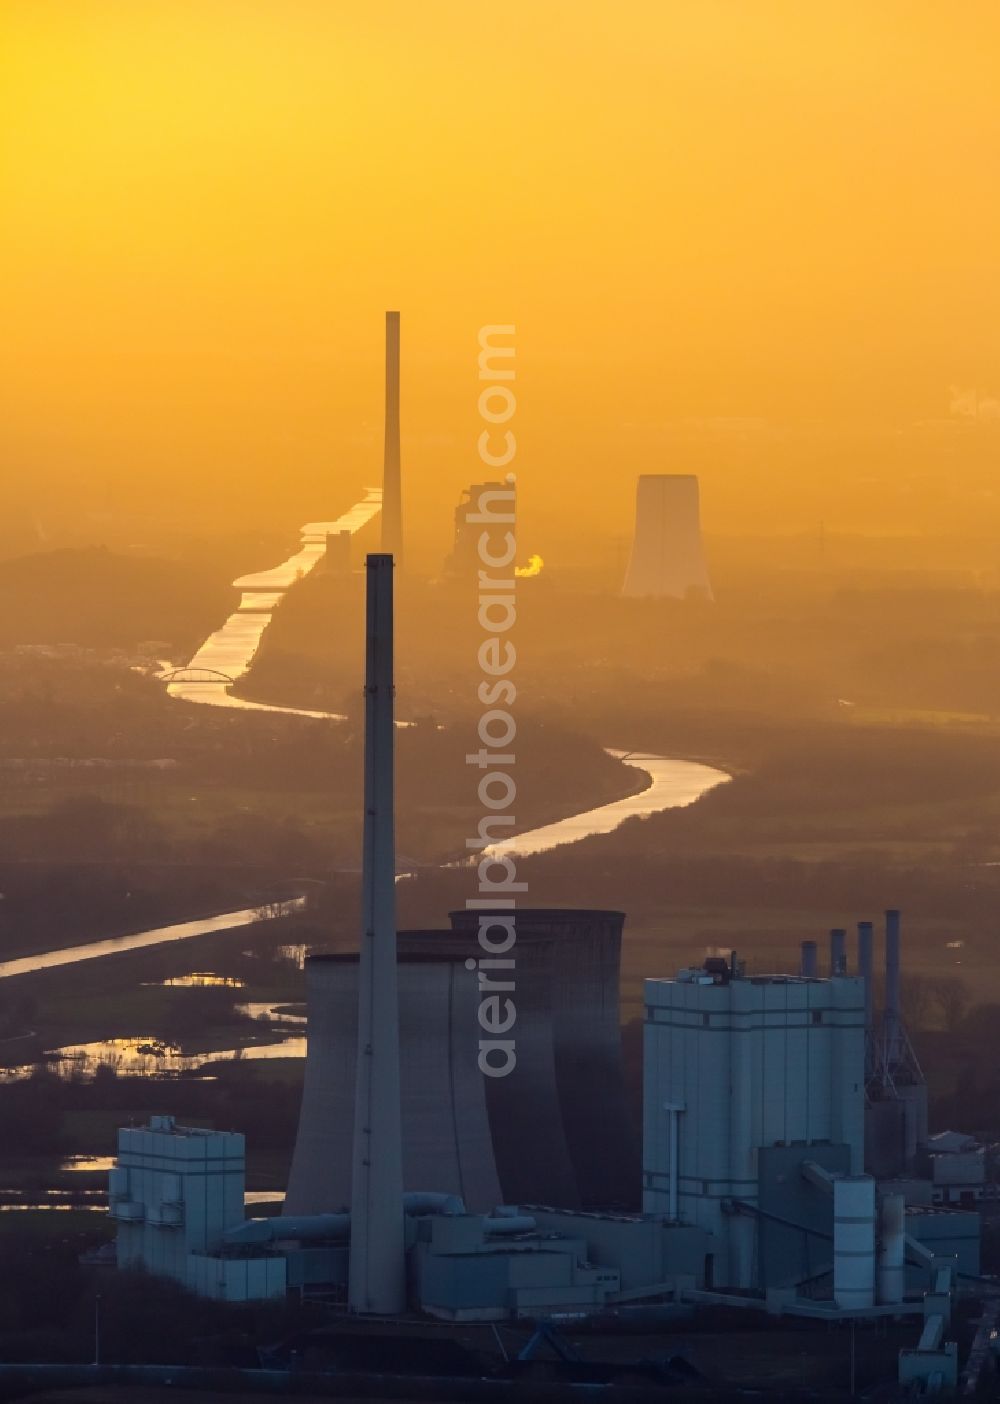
(893, 996)
(838, 951)
(809, 965)
(865, 943)
(377, 1278)
(392, 507)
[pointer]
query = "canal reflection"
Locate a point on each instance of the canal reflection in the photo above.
(146, 1057)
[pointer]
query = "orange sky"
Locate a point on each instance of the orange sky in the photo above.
(757, 238)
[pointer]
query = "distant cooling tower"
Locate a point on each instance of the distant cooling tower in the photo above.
(667, 558)
(446, 1134)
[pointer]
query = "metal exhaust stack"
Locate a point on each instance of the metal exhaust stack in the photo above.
(865, 948)
(392, 507)
(838, 951)
(377, 1276)
(893, 990)
(809, 964)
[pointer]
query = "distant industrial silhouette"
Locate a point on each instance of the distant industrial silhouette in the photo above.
(392, 507)
(667, 558)
(464, 561)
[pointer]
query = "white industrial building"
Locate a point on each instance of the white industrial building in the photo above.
(732, 1067)
(174, 1191)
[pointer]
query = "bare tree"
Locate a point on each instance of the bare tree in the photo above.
(951, 996)
(918, 1001)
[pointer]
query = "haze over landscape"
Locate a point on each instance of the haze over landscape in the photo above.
(743, 251)
(754, 241)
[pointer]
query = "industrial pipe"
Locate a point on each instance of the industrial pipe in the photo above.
(673, 1110)
(510, 1223)
(838, 951)
(252, 1232)
(809, 962)
(865, 944)
(892, 1248)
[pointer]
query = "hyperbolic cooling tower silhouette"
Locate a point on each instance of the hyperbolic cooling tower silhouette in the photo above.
(446, 1134)
(667, 557)
(555, 1131)
(561, 1129)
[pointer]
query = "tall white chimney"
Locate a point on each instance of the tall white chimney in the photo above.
(392, 507)
(377, 1277)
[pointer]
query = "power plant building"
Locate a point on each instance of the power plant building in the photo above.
(174, 1192)
(493, 500)
(667, 561)
(733, 1068)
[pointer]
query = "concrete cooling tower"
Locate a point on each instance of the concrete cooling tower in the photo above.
(667, 560)
(446, 1136)
(555, 1131)
(561, 1130)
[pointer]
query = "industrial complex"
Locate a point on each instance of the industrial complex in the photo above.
(784, 1165)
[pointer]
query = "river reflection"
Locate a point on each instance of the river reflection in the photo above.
(673, 785)
(137, 940)
(267, 1013)
(227, 654)
(200, 980)
(146, 1057)
(96, 1201)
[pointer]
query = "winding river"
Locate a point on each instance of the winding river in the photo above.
(226, 656)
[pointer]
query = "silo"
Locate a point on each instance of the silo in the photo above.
(667, 558)
(854, 1242)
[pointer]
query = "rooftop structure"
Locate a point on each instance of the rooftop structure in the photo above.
(896, 1091)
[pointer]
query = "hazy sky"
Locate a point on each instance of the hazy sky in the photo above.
(757, 238)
